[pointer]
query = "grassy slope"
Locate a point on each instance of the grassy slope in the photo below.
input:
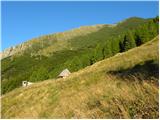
(57, 50)
(93, 92)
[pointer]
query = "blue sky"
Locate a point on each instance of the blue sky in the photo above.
(23, 21)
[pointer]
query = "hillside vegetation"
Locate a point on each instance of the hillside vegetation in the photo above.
(45, 57)
(122, 86)
(49, 40)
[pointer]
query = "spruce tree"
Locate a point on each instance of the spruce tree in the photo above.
(121, 46)
(107, 51)
(156, 19)
(138, 39)
(144, 34)
(85, 60)
(98, 53)
(129, 41)
(115, 46)
(76, 64)
(152, 29)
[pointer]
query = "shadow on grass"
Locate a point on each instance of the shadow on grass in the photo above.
(148, 70)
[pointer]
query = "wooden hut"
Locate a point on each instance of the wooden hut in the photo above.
(64, 73)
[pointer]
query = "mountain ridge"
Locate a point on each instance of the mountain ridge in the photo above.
(20, 47)
(59, 35)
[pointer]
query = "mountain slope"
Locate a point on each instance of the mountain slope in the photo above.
(45, 57)
(117, 87)
(50, 40)
(46, 41)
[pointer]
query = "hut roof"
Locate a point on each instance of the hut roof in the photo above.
(64, 73)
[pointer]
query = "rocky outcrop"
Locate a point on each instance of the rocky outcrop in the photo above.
(14, 50)
(47, 40)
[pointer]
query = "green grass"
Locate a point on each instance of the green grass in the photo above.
(97, 91)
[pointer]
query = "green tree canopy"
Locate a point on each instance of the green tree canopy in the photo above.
(129, 41)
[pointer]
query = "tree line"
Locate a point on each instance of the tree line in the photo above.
(121, 43)
(47, 68)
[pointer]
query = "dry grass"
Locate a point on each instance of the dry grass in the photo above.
(91, 92)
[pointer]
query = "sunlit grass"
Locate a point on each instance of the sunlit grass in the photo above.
(92, 92)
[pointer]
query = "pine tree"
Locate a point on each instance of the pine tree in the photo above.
(85, 60)
(156, 19)
(76, 64)
(144, 34)
(92, 60)
(152, 29)
(40, 74)
(129, 41)
(98, 53)
(138, 39)
(107, 51)
(115, 46)
(121, 46)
